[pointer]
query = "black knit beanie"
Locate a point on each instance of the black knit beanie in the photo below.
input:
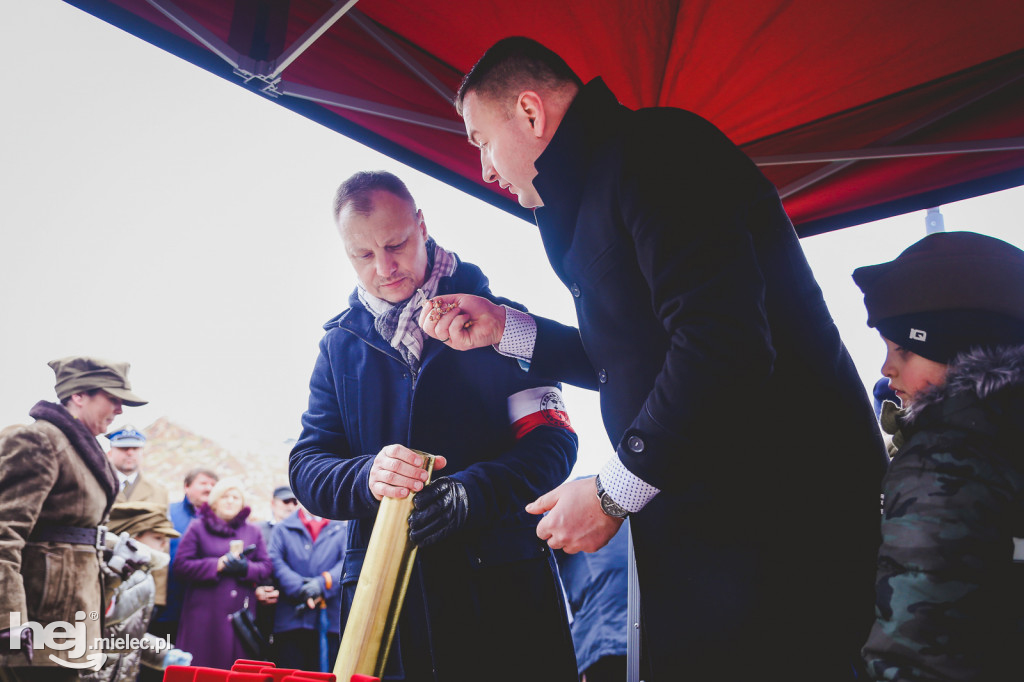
(947, 293)
(941, 335)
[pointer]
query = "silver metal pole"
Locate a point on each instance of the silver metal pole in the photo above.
(633, 611)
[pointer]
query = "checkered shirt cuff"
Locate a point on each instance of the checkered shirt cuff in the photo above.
(628, 490)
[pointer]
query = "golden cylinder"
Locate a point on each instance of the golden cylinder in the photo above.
(380, 592)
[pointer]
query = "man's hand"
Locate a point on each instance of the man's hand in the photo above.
(462, 321)
(312, 590)
(440, 510)
(396, 472)
(575, 522)
(267, 594)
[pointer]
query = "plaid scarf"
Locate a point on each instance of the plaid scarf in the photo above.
(397, 322)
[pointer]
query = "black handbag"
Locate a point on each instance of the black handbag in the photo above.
(248, 634)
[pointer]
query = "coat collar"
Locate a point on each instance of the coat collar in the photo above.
(467, 278)
(84, 443)
(562, 168)
(219, 526)
(983, 392)
(293, 522)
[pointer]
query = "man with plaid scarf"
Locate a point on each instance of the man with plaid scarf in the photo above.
(484, 599)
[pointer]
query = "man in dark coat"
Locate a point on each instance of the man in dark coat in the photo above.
(747, 455)
(483, 600)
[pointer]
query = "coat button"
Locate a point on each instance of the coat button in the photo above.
(575, 289)
(306, 546)
(234, 593)
(635, 444)
(602, 376)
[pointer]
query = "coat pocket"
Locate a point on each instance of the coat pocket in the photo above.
(46, 582)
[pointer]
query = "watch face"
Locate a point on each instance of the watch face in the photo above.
(609, 507)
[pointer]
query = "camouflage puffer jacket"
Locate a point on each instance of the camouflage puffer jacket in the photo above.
(950, 591)
(127, 619)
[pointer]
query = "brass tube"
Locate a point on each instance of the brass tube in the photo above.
(380, 592)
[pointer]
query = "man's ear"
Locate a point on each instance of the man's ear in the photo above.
(423, 224)
(530, 106)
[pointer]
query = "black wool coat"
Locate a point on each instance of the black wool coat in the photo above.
(702, 326)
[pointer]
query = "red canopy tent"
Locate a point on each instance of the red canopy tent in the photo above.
(856, 111)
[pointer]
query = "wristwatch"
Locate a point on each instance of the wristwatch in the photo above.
(608, 505)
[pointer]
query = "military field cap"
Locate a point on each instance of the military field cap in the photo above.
(138, 517)
(79, 374)
(127, 437)
(946, 271)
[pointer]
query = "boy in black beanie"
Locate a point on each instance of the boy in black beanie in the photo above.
(951, 312)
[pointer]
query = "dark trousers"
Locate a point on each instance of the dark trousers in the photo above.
(607, 669)
(301, 649)
(161, 630)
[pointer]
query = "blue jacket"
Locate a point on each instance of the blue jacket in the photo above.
(181, 514)
(492, 589)
(597, 586)
(296, 557)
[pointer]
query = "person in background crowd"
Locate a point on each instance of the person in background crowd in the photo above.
(882, 392)
(129, 603)
(56, 489)
(220, 560)
(702, 326)
(597, 586)
(950, 580)
(126, 454)
(198, 484)
(126, 450)
(304, 548)
(282, 503)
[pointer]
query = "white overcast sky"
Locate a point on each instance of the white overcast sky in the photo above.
(154, 213)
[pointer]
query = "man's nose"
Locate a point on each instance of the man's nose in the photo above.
(386, 266)
(486, 167)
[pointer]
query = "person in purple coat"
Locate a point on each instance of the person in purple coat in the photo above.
(219, 577)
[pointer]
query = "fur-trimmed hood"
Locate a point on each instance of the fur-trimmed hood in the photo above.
(979, 374)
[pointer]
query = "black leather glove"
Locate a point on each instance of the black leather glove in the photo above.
(312, 588)
(235, 565)
(439, 510)
(26, 643)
